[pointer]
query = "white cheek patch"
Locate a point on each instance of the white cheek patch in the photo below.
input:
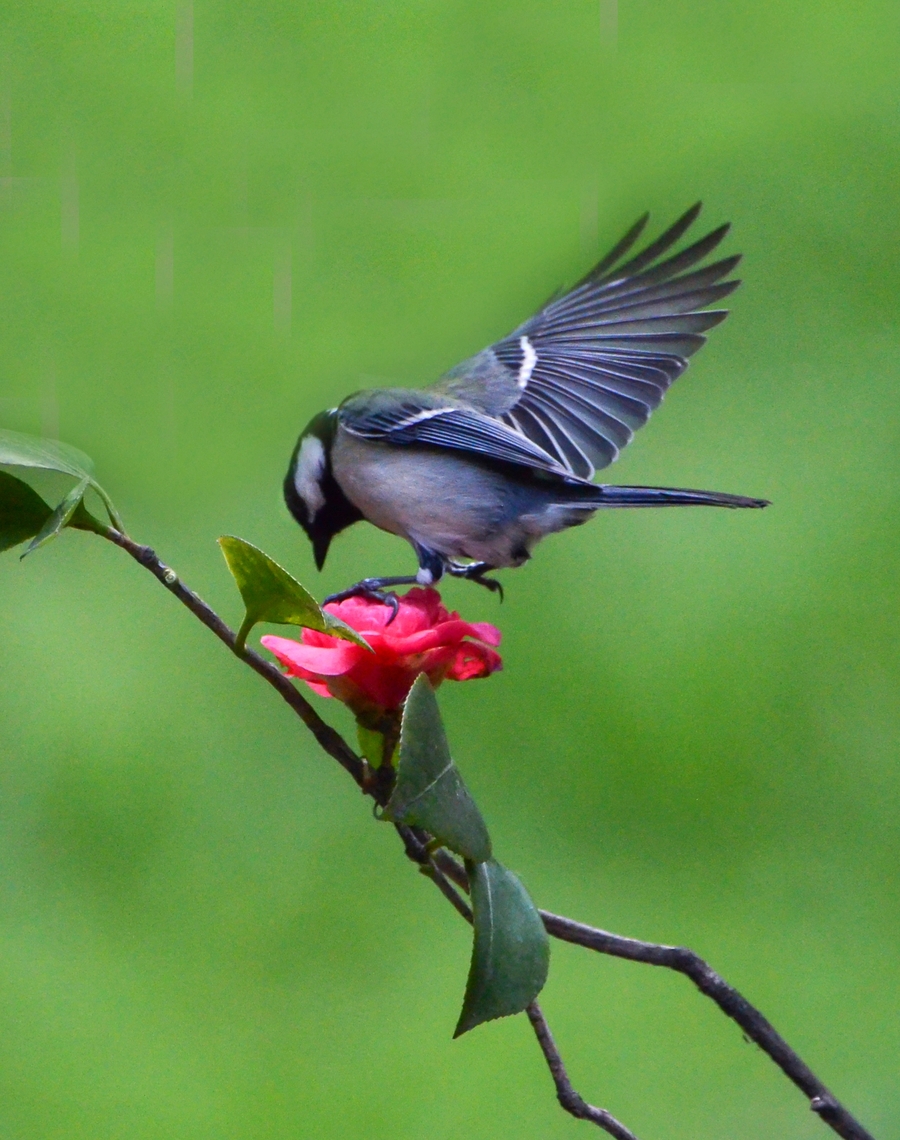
(308, 475)
(529, 360)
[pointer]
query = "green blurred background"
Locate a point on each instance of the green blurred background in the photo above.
(215, 221)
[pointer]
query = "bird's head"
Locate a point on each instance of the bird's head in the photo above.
(311, 492)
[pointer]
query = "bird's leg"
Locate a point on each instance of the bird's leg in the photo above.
(376, 590)
(431, 565)
(475, 572)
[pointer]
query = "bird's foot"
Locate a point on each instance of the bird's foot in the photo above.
(375, 589)
(475, 572)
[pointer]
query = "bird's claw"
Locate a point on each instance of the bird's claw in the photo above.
(490, 584)
(475, 572)
(369, 588)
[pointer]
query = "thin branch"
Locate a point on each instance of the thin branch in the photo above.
(568, 1098)
(448, 891)
(442, 868)
(415, 842)
(684, 961)
(452, 868)
(332, 742)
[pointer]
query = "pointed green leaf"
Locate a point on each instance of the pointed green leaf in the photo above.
(60, 517)
(18, 450)
(270, 593)
(22, 511)
(511, 953)
(430, 791)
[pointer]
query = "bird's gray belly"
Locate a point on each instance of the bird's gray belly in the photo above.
(444, 502)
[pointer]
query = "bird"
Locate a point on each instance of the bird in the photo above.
(501, 451)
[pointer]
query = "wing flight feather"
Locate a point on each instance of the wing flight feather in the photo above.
(580, 376)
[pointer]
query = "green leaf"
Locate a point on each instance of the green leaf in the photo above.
(430, 791)
(29, 451)
(22, 511)
(270, 593)
(60, 517)
(511, 953)
(17, 450)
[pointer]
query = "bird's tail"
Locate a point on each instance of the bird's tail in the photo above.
(669, 497)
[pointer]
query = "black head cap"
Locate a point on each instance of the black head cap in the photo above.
(311, 491)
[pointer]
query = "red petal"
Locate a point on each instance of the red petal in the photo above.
(384, 685)
(486, 632)
(324, 662)
(318, 687)
(447, 633)
(473, 661)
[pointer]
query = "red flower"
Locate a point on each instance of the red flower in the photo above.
(423, 638)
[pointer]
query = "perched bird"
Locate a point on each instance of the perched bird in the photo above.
(476, 469)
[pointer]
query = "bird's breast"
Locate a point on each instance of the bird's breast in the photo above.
(438, 499)
(450, 503)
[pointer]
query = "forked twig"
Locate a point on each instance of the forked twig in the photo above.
(434, 866)
(570, 1100)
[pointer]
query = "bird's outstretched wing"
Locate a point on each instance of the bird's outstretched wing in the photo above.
(405, 416)
(586, 371)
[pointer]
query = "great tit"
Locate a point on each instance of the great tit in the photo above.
(476, 469)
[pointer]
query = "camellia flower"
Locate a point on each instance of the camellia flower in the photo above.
(423, 638)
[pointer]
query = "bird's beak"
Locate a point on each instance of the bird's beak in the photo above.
(320, 549)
